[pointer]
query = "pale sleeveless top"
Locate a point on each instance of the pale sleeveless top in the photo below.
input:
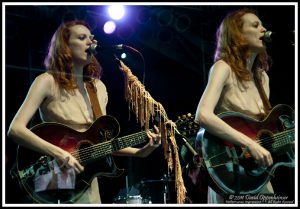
(244, 99)
(75, 112)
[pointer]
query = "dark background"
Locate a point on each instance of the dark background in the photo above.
(177, 43)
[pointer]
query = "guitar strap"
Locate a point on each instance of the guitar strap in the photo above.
(262, 92)
(93, 99)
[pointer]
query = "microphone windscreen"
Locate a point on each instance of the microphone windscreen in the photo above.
(268, 36)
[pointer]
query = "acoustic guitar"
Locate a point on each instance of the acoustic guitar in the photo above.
(232, 168)
(92, 148)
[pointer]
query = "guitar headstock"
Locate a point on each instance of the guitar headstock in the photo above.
(187, 126)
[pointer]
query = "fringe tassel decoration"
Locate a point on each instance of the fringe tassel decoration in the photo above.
(146, 108)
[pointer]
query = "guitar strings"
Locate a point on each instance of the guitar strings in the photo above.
(106, 147)
(285, 140)
(85, 153)
(88, 153)
(86, 150)
(276, 137)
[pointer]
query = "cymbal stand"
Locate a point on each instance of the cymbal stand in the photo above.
(127, 188)
(165, 178)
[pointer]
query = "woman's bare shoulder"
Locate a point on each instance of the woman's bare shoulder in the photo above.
(220, 68)
(45, 82)
(45, 77)
(221, 64)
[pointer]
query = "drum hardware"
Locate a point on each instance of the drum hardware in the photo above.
(132, 199)
(146, 192)
(132, 195)
(163, 182)
(135, 199)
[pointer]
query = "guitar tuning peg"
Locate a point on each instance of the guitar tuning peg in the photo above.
(179, 117)
(183, 116)
(189, 115)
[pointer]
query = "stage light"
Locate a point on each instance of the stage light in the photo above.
(116, 12)
(109, 27)
(123, 55)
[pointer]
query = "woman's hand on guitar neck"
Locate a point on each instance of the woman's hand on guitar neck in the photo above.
(154, 138)
(261, 156)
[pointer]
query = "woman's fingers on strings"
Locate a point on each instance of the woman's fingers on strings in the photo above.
(67, 164)
(64, 163)
(155, 138)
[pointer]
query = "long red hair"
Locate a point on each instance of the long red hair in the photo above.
(59, 60)
(232, 47)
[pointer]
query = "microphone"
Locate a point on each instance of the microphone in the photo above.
(270, 36)
(94, 48)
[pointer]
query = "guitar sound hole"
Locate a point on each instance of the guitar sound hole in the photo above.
(265, 139)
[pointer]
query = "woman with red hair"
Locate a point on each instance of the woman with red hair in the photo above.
(61, 96)
(240, 56)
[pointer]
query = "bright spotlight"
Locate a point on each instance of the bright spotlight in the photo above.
(116, 12)
(123, 55)
(109, 27)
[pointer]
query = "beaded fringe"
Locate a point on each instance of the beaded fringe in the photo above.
(146, 108)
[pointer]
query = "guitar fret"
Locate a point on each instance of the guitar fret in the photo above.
(283, 138)
(108, 147)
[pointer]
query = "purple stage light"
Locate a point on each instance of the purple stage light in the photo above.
(116, 12)
(109, 27)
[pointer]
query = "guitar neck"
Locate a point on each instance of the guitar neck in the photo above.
(127, 141)
(108, 147)
(283, 138)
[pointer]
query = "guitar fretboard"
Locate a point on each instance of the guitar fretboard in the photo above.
(100, 150)
(283, 138)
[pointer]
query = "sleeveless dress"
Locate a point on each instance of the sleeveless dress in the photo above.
(75, 111)
(244, 99)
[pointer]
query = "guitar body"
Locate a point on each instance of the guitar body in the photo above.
(243, 176)
(92, 148)
(103, 129)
